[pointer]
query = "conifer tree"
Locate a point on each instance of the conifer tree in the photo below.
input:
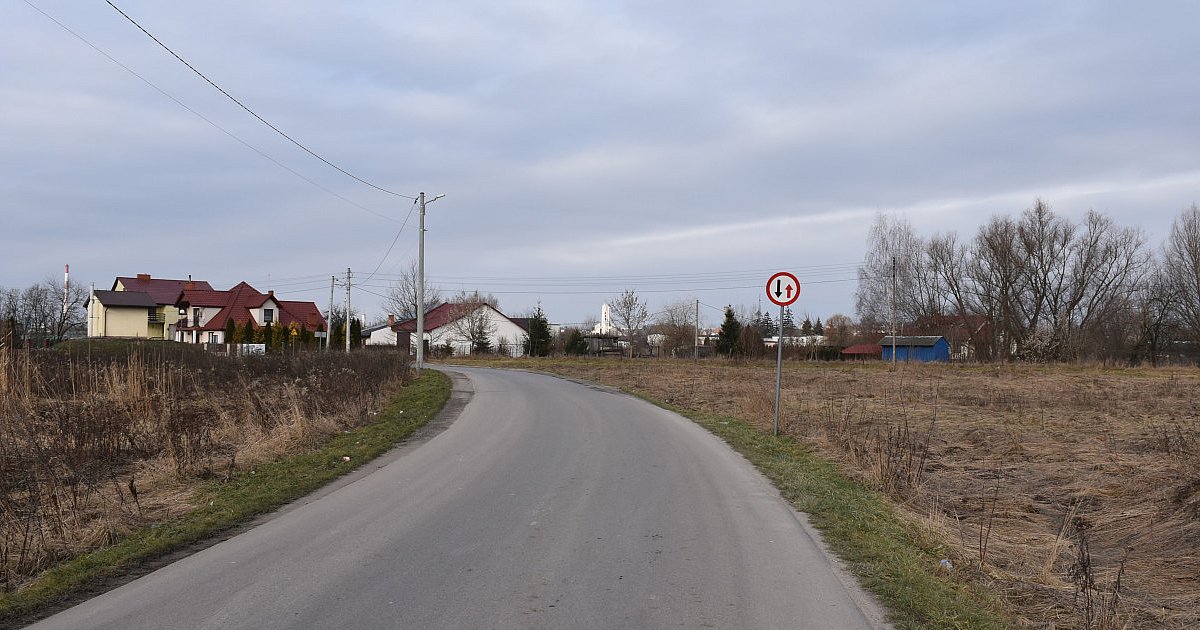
(731, 333)
(576, 344)
(230, 331)
(247, 335)
(356, 332)
(537, 342)
(806, 327)
(788, 325)
(818, 328)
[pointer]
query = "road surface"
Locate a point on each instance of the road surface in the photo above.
(546, 504)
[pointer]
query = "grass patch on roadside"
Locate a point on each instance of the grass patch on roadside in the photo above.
(263, 488)
(859, 525)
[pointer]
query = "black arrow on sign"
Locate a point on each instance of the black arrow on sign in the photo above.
(778, 287)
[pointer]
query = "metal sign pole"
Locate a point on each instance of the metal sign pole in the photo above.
(778, 370)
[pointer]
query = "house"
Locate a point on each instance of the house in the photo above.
(381, 334)
(449, 325)
(149, 314)
(204, 314)
(924, 349)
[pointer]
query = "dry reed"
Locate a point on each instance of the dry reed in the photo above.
(91, 448)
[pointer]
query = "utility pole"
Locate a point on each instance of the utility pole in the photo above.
(696, 341)
(421, 283)
(329, 324)
(893, 313)
(421, 286)
(347, 309)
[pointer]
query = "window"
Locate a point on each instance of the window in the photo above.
(212, 337)
(196, 317)
(268, 315)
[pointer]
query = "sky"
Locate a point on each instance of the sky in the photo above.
(683, 149)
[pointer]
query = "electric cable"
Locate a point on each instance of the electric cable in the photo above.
(250, 111)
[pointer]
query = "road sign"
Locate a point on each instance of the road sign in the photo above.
(783, 288)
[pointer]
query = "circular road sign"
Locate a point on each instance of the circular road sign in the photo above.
(783, 288)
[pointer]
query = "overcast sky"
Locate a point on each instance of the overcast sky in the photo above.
(684, 149)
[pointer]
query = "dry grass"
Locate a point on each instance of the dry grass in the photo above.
(1073, 492)
(93, 448)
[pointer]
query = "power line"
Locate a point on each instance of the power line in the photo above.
(202, 116)
(398, 233)
(250, 111)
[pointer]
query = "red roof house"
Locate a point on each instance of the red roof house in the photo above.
(206, 313)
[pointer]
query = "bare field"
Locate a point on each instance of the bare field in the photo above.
(1072, 492)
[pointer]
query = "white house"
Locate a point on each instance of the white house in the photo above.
(380, 334)
(447, 324)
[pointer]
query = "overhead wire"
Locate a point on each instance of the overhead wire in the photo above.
(250, 111)
(394, 240)
(202, 116)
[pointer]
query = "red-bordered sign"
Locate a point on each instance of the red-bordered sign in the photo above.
(783, 289)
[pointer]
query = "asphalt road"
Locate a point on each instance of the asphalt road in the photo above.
(546, 504)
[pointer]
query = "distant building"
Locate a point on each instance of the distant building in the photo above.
(144, 309)
(381, 334)
(442, 328)
(605, 326)
(864, 352)
(923, 349)
(204, 314)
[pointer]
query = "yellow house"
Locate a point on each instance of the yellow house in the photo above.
(123, 314)
(147, 310)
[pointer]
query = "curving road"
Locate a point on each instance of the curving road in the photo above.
(546, 504)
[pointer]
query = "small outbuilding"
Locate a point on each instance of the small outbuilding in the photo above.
(923, 349)
(863, 352)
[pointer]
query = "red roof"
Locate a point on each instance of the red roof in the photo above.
(437, 317)
(443, 314)
(163, 290)
(237, 302)
(305, 313)
(864, 348)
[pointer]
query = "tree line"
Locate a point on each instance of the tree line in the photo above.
(1039, 286)
(39, 314)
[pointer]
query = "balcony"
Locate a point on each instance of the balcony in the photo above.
(156, 318)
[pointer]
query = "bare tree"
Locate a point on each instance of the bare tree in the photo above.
(677, 322)
(471, 320)
(1181, 261)
(629, 315)
(402, 296)
(1158, 304)
(839, 330)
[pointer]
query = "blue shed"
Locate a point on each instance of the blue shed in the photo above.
(924, 349)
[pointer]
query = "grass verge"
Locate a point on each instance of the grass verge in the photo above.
(225, 504)
(893, 558)
(890, 557)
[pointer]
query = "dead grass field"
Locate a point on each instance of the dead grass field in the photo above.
(1072, 492)
(93, 447)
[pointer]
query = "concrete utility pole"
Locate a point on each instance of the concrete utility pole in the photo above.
(347, 309)
(329, 323)
(696, 341)
(421, 286)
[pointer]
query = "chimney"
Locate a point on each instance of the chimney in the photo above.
(143, 276)
(271, 293)
(391, 320)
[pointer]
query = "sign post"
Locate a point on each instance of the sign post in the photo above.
(783, 289)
